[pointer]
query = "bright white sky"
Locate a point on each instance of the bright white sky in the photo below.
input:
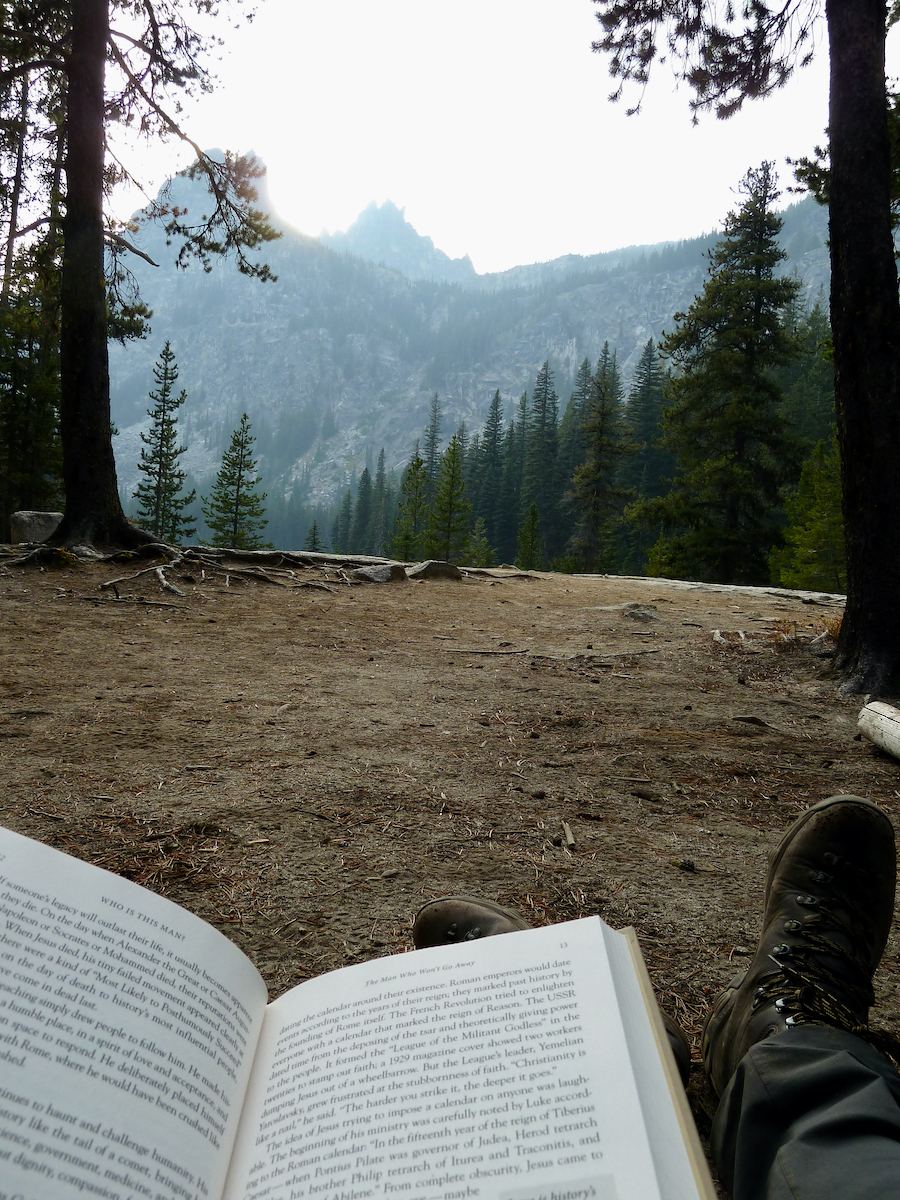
(487, 120)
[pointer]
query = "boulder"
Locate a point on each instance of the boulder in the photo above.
(434, 569)
(383, 573)
(641, 612)
(28, 526)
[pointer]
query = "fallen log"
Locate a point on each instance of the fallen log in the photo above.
(880, 723)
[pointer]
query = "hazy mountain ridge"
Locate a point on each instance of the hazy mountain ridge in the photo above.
(339, 335)
(382, 235)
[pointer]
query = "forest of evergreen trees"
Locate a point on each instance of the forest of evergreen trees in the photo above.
(716, 462)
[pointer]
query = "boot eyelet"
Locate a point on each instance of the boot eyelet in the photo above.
(793, 927)
(781, 951)
(821, 877)
(808, 901)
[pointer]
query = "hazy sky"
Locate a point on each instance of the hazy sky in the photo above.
(487, 120)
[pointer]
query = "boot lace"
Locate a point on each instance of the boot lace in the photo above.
(808, 988)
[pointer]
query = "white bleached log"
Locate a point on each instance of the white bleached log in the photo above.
(880, 723)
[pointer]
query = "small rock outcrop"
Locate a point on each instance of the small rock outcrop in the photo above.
(432, 568)
(385, 573)
(27, 526)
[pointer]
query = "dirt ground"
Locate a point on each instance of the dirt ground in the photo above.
(304, 762)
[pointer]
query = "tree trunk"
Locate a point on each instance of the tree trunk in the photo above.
(16, 191)
(865, 318)
(93, 513)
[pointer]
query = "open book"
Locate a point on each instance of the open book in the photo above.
(139, 1058)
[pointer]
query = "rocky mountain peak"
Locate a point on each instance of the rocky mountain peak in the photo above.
(381, 234)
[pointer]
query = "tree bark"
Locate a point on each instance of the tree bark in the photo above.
(93, 513)
(865, 318)
(16, 191)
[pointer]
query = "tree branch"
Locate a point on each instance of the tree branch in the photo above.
(117, 240)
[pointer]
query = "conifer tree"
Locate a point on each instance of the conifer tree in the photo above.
(649, 471)
(362, 511)
(377, 530)
(341, 540)
(723, 426)
(809, 382)
(531, 542)
(490, 470)
(511, 488)
(596, 496)
(431, 450)
(480, 553)
(649, 468)
(161, 501)
(313, 540)
(572, 446)
(406, 541)
(540, 484)
(234, 511)
(814, 554)
(472, 469)
(447, 537)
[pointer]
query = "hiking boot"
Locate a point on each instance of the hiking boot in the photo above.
(454, 919)
(828, 912)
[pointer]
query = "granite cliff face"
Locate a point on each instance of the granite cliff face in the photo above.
(341, 355)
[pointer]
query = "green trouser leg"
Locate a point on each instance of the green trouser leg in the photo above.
(810, 1114)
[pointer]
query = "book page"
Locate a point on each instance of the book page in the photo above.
(127, 1030)
(495, 1069)
(667, 1114)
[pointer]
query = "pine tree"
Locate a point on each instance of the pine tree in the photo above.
(511, 487)
(362, 511)
(377, 530)
(809, 382)
(650, 467)
(531, 542)
(734, 450)
(432, 446)
(814, 554)
(480, 552)
(572, 447)
(341, 542)
(234, 511)
(649, 471)
(540, 484)
(313, 539)
(472, 469)
(490, 470)
(161, 502)
(596, 496)
(447, 537)
(406, 541)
